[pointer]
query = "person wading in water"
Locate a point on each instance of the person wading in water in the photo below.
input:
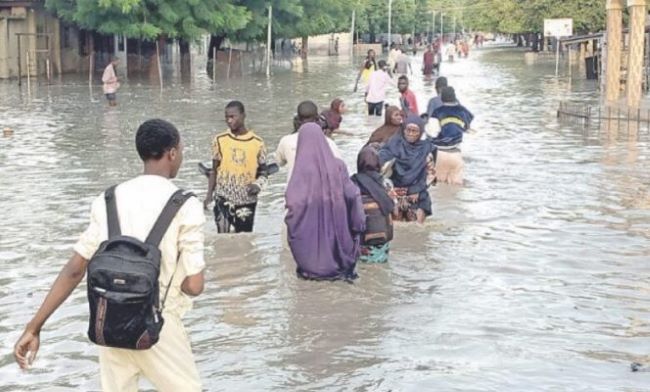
(238, 175)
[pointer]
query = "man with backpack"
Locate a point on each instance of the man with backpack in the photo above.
(143, 251)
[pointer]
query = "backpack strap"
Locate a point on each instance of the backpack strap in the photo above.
(165, 218)
(112, 217)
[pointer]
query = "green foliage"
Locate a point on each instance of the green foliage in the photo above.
(284, 12)
(246, 20)
(148, 19)
(507, 16)
(516, 16)
(406, 16)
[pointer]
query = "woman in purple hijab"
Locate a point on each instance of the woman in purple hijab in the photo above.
(325, 217)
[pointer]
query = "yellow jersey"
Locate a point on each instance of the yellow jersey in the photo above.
(239, 157)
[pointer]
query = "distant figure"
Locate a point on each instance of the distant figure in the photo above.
(428, 61)
(403, 64)
(378, 206)
(376, 89)
(336, 46)
(450, 52)
(325, 217)
(392, 125)
(111, 84)
(407, 99)
(334, 115)
(454, 119)
(392, 56)
(367, 68)
(437, 58)
(464, 48)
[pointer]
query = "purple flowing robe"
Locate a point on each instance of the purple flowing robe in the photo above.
(325, 217)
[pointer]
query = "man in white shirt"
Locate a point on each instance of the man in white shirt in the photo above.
(379, 81)
(402, 65)
(169, 364)
(392, 55)
(286, 151)
(450, 51)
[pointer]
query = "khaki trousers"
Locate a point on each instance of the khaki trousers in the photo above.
(168, 365)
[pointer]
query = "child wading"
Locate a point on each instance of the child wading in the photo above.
(132, 208)
(111, 84)
(378, 206)
(240, 172)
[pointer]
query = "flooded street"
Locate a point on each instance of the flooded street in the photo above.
(534, 276)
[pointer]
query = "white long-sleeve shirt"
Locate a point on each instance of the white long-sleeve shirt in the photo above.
(377, 84)
(286, 151)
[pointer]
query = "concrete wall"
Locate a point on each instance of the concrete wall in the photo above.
(326, 44)
(71, 59)
(23, 20)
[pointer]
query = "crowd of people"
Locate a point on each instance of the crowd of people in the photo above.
(333, 219)
(348, 218)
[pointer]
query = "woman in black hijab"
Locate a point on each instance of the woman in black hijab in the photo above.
(378, 206)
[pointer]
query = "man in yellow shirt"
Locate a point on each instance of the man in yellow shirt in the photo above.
(240, 171)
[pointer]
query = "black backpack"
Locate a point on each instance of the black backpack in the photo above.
(123, 289)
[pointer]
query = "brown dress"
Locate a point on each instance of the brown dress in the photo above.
(386, 131)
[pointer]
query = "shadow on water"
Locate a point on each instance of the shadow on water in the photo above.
(533, 276)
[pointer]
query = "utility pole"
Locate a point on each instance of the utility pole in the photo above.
(454, 29)
(352, 34)
(268, 43)
(433, 24)
(390, 10)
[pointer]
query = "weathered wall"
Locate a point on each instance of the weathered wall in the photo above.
(71, 59)
(326, 44)
(21, 20)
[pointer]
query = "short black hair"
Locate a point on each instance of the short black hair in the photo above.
(307, 110)
(441, 82)
(236, 104)
(381, 63)
(403, 77)
(155, 137)
(448, 95)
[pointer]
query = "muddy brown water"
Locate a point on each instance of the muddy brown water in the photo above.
(534, 276)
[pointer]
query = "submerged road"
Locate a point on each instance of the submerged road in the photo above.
(534, 276)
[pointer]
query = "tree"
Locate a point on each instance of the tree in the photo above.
(320, 17)
(149, 19)
(504, 16)
(528, 16)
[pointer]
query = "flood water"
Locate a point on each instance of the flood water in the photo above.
(534, 276)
